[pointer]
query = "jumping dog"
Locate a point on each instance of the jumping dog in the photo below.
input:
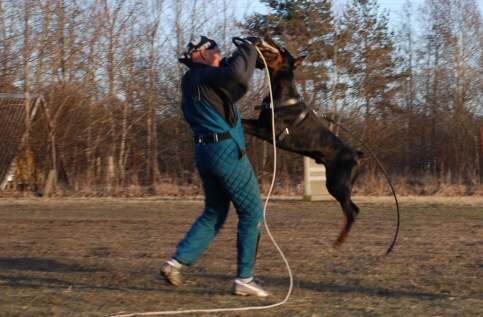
(299, 130)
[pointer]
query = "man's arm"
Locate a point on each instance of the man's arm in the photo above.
(233, 79)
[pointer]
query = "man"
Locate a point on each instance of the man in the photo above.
(210, 89)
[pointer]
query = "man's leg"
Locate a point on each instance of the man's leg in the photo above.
(244, 192)
(207, 226)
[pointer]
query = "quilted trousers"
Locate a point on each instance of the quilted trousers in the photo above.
(226, 177)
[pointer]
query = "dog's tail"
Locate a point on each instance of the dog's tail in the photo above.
(355, 169)
(360, 157)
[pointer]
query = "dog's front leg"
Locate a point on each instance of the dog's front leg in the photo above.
(252, 127)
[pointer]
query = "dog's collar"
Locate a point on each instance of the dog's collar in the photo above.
(294, 123)
(288, 102)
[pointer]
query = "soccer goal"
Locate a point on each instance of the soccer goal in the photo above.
(16, 114)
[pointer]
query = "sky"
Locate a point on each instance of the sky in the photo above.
(394, 7)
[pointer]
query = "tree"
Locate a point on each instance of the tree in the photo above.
(407, 97)
(453, 40)
(8, 55)
(373, 73)
(306, 28)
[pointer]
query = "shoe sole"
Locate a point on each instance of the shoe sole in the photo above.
(248, 290)
(255, 292)
(240, 293)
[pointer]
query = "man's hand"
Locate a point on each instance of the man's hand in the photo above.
(239, 41)
(248, 40)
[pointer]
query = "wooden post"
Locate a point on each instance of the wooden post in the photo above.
(110, 173)
(314, 181)
(50, 183)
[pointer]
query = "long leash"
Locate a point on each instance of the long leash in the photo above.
(218, 310)
(323, 116)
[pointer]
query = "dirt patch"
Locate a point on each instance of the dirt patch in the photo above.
(100, 257)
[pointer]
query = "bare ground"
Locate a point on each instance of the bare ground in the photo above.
(100, 257)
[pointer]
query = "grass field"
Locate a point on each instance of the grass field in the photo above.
(100, 257)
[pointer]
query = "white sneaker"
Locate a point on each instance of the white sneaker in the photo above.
(171, 274)
(248, 289)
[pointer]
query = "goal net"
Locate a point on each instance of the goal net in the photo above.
(15, 112)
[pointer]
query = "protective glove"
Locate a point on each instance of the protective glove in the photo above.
(239, 41)
(251, 39)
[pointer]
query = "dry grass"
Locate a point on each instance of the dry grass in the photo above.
(366, 185)
(97, 257)
(417, 186)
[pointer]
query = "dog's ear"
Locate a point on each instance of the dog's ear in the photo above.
(298, 61)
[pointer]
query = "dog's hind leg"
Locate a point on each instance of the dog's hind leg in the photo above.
(339, 186)
(350, 211)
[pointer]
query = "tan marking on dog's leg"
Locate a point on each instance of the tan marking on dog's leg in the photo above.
(343, 233)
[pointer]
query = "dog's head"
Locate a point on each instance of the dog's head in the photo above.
(277, 57)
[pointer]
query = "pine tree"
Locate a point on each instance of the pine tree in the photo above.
(306, 28)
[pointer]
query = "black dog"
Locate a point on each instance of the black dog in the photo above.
(299, 130)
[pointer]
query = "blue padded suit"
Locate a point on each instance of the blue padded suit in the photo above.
(209, 106)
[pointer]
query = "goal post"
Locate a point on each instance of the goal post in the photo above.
(13, 128)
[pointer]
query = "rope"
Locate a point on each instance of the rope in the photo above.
(383, 171)
(218, 310)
